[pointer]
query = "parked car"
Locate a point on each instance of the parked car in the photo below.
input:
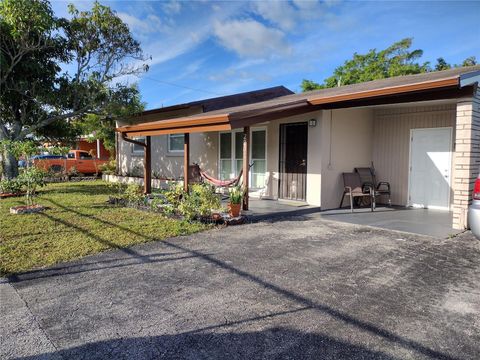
(79, 161)
(474, 210)
(23, 163)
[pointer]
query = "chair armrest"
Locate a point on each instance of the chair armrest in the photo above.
(348, 188)
(383, 183)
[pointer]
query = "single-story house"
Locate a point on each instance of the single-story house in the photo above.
(421, 132)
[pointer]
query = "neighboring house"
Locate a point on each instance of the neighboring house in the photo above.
(94, 147)
(422, 133)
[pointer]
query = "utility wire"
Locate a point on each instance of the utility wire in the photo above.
(181, 86)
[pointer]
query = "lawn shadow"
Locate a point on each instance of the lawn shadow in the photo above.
(288, 294)
(277, 342)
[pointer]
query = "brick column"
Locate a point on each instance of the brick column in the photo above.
(466, 157)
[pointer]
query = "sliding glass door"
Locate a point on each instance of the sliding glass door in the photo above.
(231, 155)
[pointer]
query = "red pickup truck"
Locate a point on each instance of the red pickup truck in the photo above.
(81, 160)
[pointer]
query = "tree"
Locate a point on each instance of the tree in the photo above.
(396, 60)
(40, 97)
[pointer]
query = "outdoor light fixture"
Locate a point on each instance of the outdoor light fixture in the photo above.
(312, 122)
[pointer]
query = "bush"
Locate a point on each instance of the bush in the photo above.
(199, 202)
(31, 178)
(109, 167)
(12, 186)
(134, 194)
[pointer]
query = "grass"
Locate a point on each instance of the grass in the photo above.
(78, 222)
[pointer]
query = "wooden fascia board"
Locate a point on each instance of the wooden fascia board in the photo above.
(189, 130)
(175, 123)
(393, 90)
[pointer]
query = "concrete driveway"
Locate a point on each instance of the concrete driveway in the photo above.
(296, 288)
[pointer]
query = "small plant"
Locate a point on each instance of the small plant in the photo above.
(158, 175)
(32, 178)
(199, 202)
(109, 167)
(235, 195)
(12, 186)
(134, 194)
(175, 194)
(73, 171)
(137, 171)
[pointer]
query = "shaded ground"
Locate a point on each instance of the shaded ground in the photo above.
(78, 222)
(295, 288)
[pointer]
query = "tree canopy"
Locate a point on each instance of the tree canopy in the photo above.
(398, 59)
(57, 72)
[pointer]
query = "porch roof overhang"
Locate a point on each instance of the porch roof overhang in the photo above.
(447, 84)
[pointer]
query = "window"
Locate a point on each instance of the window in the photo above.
(85, 156)
(175, 143)
(231, 156)
(71, 155)
(138, 149)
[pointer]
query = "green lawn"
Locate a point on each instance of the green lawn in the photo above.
(78, 222)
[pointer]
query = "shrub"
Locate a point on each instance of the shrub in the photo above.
(174, 195)
(134, 194)
(31, 178)
(109, 167)
(12, 186)
(199, 202)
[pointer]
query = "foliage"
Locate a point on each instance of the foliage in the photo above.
(77, 224)
(235, 195)
(109, 167)
(134, 194)
(175, 194)
(32, 178)
(398, 59)
(199, 202)
(10, 186)
(37, 96)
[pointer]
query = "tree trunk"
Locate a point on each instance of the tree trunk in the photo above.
(9, 166)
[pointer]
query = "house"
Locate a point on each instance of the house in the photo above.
(421, 132)
(95, 147)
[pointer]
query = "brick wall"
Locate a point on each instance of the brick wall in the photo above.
(467, 157)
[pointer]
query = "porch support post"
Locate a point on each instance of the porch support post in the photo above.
(147, 166)
(246, 167)
(186, 160)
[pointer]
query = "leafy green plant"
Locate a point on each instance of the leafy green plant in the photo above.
(73, 171)
(235, 195)
(174, 194)
(109, 167)
(12, 186)
(134, 194)
(199, 202)
(32, 178)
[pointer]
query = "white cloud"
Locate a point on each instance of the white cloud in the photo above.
(150, 24)
(172, 7)
(250, 38)
(280, 13)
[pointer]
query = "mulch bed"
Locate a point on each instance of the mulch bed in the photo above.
(27, 209)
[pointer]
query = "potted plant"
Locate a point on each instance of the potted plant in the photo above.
(235, 201)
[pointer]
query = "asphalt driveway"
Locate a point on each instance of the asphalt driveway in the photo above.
(297, 288)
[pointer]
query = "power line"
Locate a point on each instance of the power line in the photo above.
(181, 86)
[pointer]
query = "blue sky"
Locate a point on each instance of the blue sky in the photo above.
(203, 49)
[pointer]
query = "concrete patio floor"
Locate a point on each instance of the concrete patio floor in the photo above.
(429, 222)
(294, 288)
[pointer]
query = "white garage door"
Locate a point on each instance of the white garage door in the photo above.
(430, 168)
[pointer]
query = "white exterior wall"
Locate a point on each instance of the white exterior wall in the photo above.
(346, 143)
(170, 165)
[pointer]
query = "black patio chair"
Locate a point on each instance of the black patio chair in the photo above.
(368, 178)
(355, 190)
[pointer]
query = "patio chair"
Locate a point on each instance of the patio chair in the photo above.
(354, 189)
(368, 178)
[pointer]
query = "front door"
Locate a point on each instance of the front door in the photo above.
(293, 161)
(430, 168)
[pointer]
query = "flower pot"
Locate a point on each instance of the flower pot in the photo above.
(234, 209)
